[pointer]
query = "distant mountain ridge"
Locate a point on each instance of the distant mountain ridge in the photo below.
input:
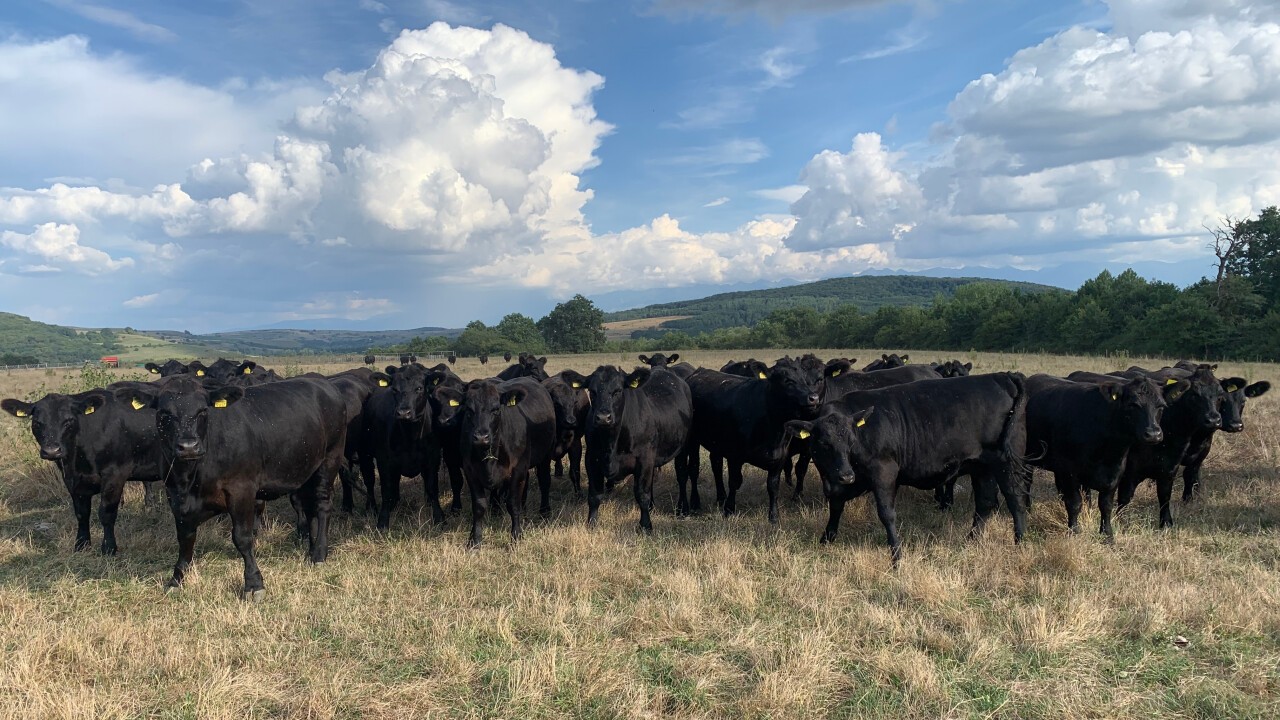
(867, 293)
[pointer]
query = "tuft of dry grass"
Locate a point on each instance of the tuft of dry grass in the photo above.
(710, 617)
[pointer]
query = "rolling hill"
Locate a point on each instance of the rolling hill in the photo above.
(24, 341)
(748, 307)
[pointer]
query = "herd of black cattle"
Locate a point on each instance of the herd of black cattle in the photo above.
(227, 437)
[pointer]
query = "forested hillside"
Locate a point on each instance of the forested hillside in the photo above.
(867, 294)
(25, 341)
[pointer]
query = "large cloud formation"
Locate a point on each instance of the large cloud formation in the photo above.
(1089, 142)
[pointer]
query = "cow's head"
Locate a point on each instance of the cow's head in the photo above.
(408, 385)
(564, 398)
(659, 360)
(55, 419)
(1235, 392)
(1138, 404)
(482, 408)
(182, 412)
(535, 367)
(953, 368)
(839, 443)
(168, 369)
(797, 388)
(747, 368)
(1202, 403)
(887, 361)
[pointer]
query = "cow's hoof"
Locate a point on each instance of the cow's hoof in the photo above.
(171, 586)
(256, 596)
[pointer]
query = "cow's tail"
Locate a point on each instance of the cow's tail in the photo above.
(1013, 436)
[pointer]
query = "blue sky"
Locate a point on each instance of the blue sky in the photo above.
(234, 164)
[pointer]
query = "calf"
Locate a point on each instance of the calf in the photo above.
(886, 362)
(1083, 432)
(572, 405)
(528, 366)
(168, 369)
(659, 360)
(505, 429)
(400, 437)
(741, 420)
(98, 445)
(920, 435)
(227, 448)
(1195, 412)
(638, 423)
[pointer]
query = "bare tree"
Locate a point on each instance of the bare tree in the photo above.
(1227, 242)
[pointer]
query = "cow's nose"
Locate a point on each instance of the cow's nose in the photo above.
(1233, 427)
(1215, 420)
(1153, 436)
(189, 448)
(480, 438)
(404, 414)
(604, 418)
(814, 398)
(50, 453)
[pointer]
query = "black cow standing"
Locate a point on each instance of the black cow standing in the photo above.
(638, 423)
(922, 434)
(452, 358)
(404, 359)
(168, 369)
(1083, 433)
(98, 445)
(484, 359)
(506, 356)
(370, 359)
(741, 420)
(505, 429)
(572, 404)
(659, 360)
(227, 448)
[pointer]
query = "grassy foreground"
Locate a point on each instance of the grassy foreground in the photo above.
(709, 617)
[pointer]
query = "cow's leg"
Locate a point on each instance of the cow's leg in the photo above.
(151, 494)
(1191, 473)
(771, 484)
(82, 505)
(575, 466)
(389, 475)
(186, 527)
(1125, 488)
(1070, 489)
(802, 467)
(1106, 504)
(517, 490)
(453, 463)
(301, 516)
(479, 509)
(431, 482)
(786, 471)
(368, 474)
(241, 512)
(1164, 492)
(544, 490)
(1010, 484)
(717, 472)
(348, 482)
(693, 465)
(681, 464)
(644, 473)
(730, 503)
(108, 509)
(884, 486)
(835, 508)
(595, 489)
(985, 500)
(560, 467)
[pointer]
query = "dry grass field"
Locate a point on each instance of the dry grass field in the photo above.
(622, 329)
(709, 617)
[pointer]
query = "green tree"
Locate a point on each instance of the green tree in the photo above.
(478, 338)
(575, 325)
(522, 332)
(1258, 257)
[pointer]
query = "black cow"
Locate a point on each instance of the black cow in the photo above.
(230, 372)
(638, 423)
(370, 359)
(741, 420)
(529, 366)
(452, 358)
(746, 368)
(952, 368)
(841, 378)
(1195, 413)
(505, 429)
(506, 356)
(1083, 433)
(1187, 365)
(97, 445)
(404, 358)
(356, 386)
(572, 404)
(921, 435)
(400, 439)
(225, 449)
(659, 360)
(168, 369)
(886, 362)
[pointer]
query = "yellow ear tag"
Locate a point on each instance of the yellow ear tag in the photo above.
(199, 373)
(763, 376)
(154, 371)
(635, 383)
(88, 410)
(20, 413)
(836, 373)
(383, 383)
(804, 434)
(512, 401)
(138, 404)
(1232, 388)
(577, 385)
(454, 403)
(861, 422)
(1171, 381)
(1115, 396)
(248, 371)
(435, 381)
(220, 403)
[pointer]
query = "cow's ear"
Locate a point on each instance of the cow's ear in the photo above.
(433, 378)
(542, 361)
(448, 397)
(88, 403)
(391, 369)
(135, 397)
(673, 357)
(1174, 390)
(858, 419)
(639, 376)
(197, 368)
(152, 368)
(1111, 390)
(1259, 388)
(644, 359)
(16, 407)
(799, 429)
(513, 397)
(1232, 384)
(225, 396)
(904, 357)
(247, 367)
(967, 366)
(836, 368)
(380, 379)
(573, 378)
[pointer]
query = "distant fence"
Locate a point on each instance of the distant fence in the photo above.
(49, 366)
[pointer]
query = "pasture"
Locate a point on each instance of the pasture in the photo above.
(708, 617)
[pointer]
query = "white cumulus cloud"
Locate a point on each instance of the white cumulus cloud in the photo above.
(58, 247)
